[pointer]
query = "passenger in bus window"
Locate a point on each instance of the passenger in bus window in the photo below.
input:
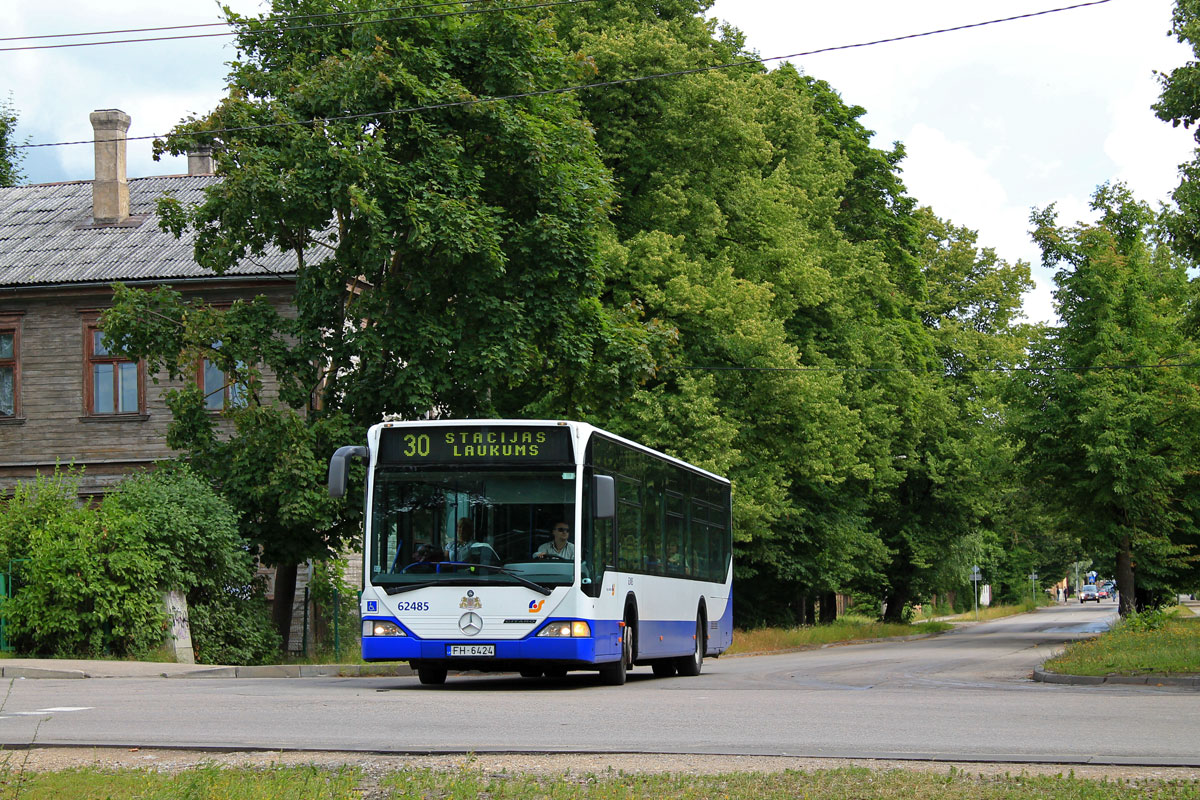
(675, 560)
(472, 548)
(559, 546)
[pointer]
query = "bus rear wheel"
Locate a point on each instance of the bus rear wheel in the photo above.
(689, 666)
(431, 676)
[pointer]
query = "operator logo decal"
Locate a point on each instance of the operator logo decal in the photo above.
(471, 602)
(535, 606)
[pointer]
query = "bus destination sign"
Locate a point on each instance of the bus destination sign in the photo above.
(455, 444)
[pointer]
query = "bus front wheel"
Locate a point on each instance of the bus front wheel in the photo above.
(431, 676)
(614, 674)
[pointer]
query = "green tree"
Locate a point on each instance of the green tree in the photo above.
(446, 259)
(1111, 416)
(759, 228)
(722, 238)
(10, 156)
(1179, 104)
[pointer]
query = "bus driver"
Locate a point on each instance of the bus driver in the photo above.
(559, 547)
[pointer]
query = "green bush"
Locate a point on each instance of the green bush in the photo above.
(86, 585)
(1146, 620)
(236, 630)
(193, 536)
(89, 582)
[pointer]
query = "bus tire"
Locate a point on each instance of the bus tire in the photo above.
(615, 674)
(689, 666)
(431, 676)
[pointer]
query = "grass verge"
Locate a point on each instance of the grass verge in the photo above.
(996, 612)
(345, 783)
(848, 628)
(201, 783)
(1155, 643)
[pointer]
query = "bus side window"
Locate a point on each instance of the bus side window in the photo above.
(629, 525)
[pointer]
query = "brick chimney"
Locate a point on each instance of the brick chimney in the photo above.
(200, 161)
(110, 189)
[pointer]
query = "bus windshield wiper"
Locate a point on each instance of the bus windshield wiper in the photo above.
(394, 587)
(537, 587)
(399, 588)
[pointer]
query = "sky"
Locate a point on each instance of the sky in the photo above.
(996, 120)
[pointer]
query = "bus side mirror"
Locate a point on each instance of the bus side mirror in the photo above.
(338, 468)
(605, 492)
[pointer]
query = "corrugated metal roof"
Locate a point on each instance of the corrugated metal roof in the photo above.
(47, 237)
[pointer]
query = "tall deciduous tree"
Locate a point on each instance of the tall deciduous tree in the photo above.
(446, 257)
(1112, 417)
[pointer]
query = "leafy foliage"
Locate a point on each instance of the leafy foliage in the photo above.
(90, 581)
(719, 264)
(86, 585)
(1110, 417)
(193, 540)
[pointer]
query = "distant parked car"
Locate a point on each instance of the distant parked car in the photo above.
(1089, 592)
(1102, 593)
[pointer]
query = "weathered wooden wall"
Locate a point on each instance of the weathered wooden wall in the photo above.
(52, 426)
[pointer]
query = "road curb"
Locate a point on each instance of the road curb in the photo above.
(303, 671)
(200, 672)
(37, 672)
(1184, 681)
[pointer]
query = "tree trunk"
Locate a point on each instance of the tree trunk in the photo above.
(285, 597)
(897, 600)
(828, 607)
(805, 609)
(1125, 582)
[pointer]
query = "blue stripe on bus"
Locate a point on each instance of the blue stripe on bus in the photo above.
(678, 638)
(602, 646)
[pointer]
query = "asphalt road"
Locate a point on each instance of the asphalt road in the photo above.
(962, 696)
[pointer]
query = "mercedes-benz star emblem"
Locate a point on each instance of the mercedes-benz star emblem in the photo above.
(470, 623)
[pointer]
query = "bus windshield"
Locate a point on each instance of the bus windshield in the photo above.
(471, 527)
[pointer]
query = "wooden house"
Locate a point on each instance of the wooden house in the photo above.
(64, 398)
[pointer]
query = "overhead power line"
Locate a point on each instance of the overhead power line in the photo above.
(292, 18)
(469, 12)
(597, 85)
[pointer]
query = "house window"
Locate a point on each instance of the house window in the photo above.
(10, 366)
(219, 393)
(114, 383)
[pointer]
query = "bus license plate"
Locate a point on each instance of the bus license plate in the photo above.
(471, 650)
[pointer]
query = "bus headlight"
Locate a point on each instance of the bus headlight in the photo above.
(380, 627)
(577, 629)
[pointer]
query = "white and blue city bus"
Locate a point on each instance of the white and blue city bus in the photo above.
(459, 574)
